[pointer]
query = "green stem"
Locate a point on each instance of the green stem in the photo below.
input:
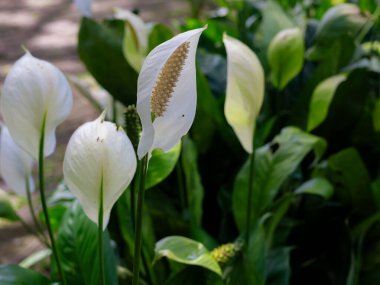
(43, 199)
(250, 195)
(138, 229)
(114, 111)
(100, 235)
(39, 231)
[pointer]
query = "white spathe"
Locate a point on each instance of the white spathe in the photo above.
(98, 151)
(245, 90)
(35, 89)
(15, 165)
(136, 38)
(84, 7)
(167, 130)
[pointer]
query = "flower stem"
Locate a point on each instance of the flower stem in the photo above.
(100, 235)
(250, 195)
(39, 231)
(139, 215)
(43, 199)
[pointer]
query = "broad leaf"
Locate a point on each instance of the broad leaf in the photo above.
(159, 34)
(321, 99)
(78, 246)
(186, 251)
(350, 176)
(285, 56)
(272, 167)
(161, 165)
(14, 275)
(100, 49)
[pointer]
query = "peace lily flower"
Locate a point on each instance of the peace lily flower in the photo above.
(15, 165)
(245, 90)
(36, 97)
(136, 37)
(99, 163)
(166, 92)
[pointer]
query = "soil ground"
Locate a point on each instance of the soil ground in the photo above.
(48, 28)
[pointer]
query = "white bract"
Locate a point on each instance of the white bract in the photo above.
(166, 92)
(99, 156)
(245, 90)
(84, 7)
(136, 37)
(35, 92)
(15, 165)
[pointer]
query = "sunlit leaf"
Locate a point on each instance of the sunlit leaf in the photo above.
(321, 99)
(186, 251)
(285, 56)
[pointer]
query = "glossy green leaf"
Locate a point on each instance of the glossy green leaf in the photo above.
(321, 99)
(272, 167)
(161, 165)
(78, 246)
(274, 20)
(100, 49)
(318, 186)
(285, 56)
(15, 275)
(7, 211)
(186, 251)
(344, 20)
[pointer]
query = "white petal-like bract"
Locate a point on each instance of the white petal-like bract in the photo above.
(136, 37)
(245, 90)
(168, 73)
(35, 90)
(15, 165)
(84, 7)
(98, 152)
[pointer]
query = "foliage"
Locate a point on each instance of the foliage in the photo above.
(316, 181)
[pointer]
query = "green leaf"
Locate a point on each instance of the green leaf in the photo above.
(14, 275)
(321, 99)
(193, 181)
(161, 165)
(100, 49)
(78, 246)
(318, 186)
(349, 174)
(340, 21)
(285, 56)
(272, 168)
(207, 117)
(274, 20)
(186, 251)
(191, 275)
(7, 211)
(159, 34)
